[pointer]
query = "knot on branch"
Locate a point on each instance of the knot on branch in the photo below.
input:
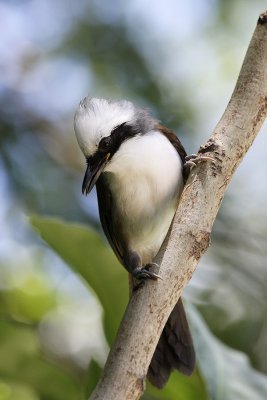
(210, 146)
(216, 152)
(263, 18)
(262, 109)
(139, 385)
(201, 241)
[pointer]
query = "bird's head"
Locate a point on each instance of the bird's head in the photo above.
(101, 126)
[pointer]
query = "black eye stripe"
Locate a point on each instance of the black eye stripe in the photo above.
(123, 132)
(110, 144)
(119, 129)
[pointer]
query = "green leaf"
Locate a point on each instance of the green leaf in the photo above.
(85, 252)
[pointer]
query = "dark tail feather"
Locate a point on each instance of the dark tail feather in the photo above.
(175, 349)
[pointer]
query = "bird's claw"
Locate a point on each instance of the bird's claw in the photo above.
(192, 160)
(144, 273)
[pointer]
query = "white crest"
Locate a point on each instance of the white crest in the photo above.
(96, 118)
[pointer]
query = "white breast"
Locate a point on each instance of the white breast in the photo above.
(146, 182)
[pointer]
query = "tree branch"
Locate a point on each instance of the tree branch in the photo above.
(148, 309)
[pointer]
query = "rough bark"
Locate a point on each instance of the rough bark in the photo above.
(148, 309)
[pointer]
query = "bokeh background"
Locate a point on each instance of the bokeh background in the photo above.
(62, 293)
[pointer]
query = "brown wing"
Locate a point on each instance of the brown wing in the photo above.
(170, 135)
(104, 197)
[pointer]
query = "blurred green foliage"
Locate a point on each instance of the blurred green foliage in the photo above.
(25, 372)
(227, 373)
(97, 265)
(86, 253)
(181, 61)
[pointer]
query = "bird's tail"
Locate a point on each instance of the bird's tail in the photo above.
(175, 349)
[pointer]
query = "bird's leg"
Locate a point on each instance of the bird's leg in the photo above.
(133, 264)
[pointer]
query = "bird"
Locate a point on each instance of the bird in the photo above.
(137, 165)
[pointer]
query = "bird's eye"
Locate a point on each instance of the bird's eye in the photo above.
(104, 143)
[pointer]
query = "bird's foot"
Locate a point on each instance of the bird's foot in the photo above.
(144, 273)
(192, 160)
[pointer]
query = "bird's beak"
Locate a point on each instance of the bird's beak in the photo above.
(92, 173)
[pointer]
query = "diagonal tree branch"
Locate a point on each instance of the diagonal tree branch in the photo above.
(148, 310)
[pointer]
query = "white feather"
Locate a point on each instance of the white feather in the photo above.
(95, 118)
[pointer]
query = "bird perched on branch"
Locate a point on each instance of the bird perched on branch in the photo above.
(137, 165)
